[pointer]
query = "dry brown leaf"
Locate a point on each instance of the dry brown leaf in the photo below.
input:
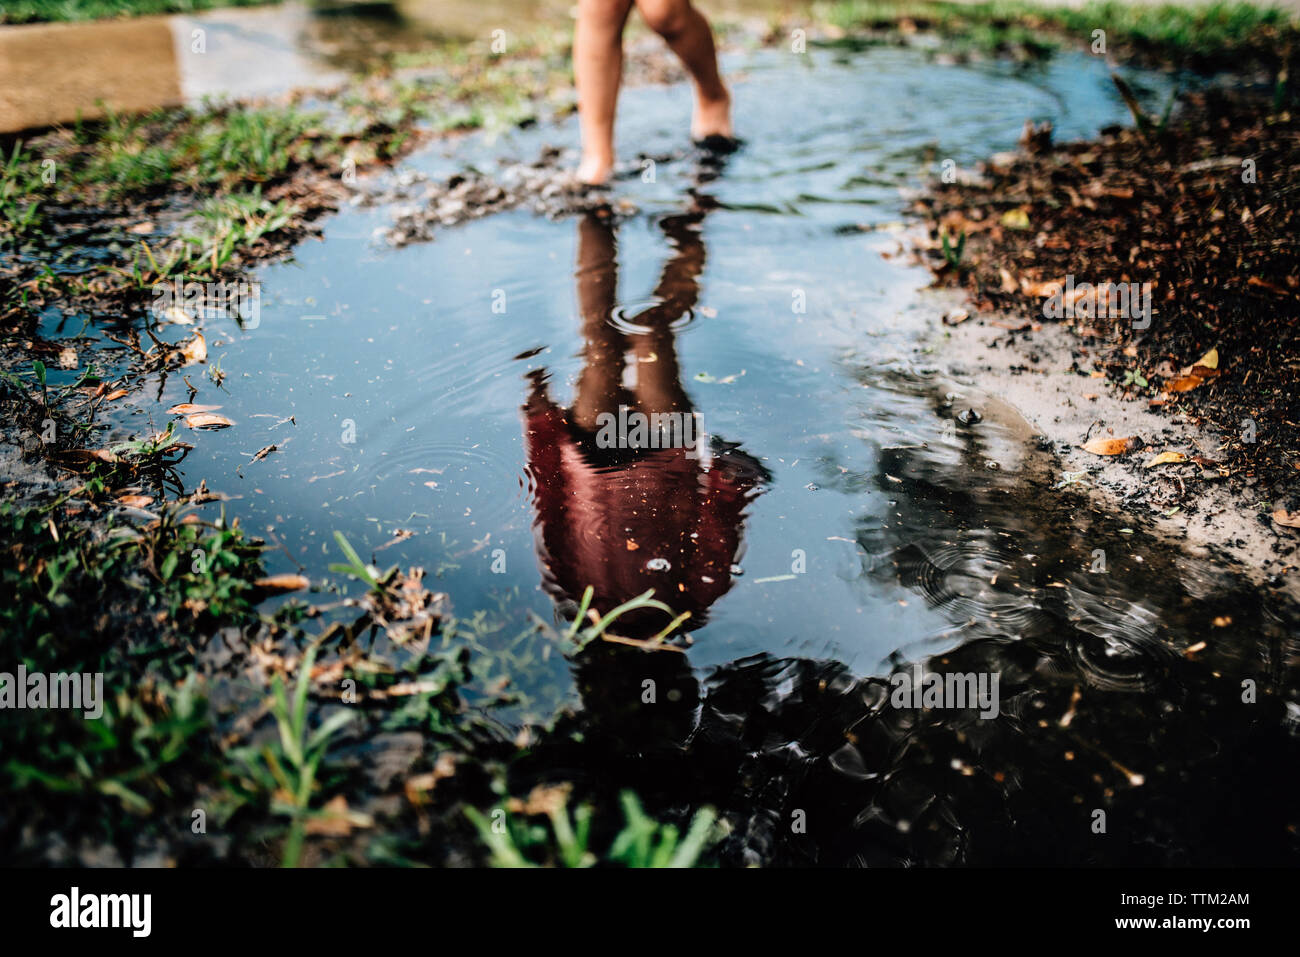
(207, 420)
(543, 799)
(1166, 458)
(261, 454)
(1210, 360)
(189, 408)
(283, 583)
(421, 784)
(86, 455)
(1288, 519)
(135, 501)
(114, 395)
(1185, 383)
(195, 350)
(1050, 287)
(1104, 446)
(177, 316)
(336, 820)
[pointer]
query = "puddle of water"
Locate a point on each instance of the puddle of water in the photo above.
(402, 368)
(847, 517)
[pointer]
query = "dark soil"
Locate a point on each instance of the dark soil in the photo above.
(1174, 207)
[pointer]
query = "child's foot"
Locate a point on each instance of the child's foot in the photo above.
(712, 118)
(595, 170)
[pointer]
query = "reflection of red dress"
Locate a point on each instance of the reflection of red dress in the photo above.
(614, 526)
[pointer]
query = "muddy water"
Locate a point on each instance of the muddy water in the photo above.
(846, 518)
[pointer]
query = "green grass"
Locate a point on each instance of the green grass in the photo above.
(1212, 34)
(565, 840)
(112, 600)
(36, 11)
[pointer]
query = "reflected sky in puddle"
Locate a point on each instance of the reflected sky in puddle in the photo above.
(406, 385)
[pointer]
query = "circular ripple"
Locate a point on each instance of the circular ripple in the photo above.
(623, 317)
(972, 582)
(452, 484)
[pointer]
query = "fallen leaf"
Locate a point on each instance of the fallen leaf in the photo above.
(417, 787)
(283, 583)
(196, 350)
(1103, 446)
(115, 394)
(1166, 458)
(207, 420)
(335, 820)
(1185, 383)
(1015, 219)
(543, 799)
(1051, 287)
(85, 455)
(189, 408)
(1210, 360)
(176, 316)
(1288, 519)
(135, 501)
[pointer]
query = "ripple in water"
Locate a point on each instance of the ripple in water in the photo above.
(460, 484)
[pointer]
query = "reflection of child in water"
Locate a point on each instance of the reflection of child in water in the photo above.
(598, 69)
(627, 520)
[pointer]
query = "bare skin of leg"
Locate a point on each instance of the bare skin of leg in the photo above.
(597, 72)
(689, 35)
(598, 69)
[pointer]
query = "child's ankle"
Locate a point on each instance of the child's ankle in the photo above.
(594, 169)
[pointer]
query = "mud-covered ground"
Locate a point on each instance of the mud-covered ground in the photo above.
(1190, 412)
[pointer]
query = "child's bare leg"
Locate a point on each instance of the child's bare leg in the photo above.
(691, 38)
(597, 71)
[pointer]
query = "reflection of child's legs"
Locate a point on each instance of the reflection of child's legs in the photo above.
(691, 38)
(600, 383)
(597, 69)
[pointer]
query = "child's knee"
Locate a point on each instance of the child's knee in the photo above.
(605, 13)
(668, 18)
